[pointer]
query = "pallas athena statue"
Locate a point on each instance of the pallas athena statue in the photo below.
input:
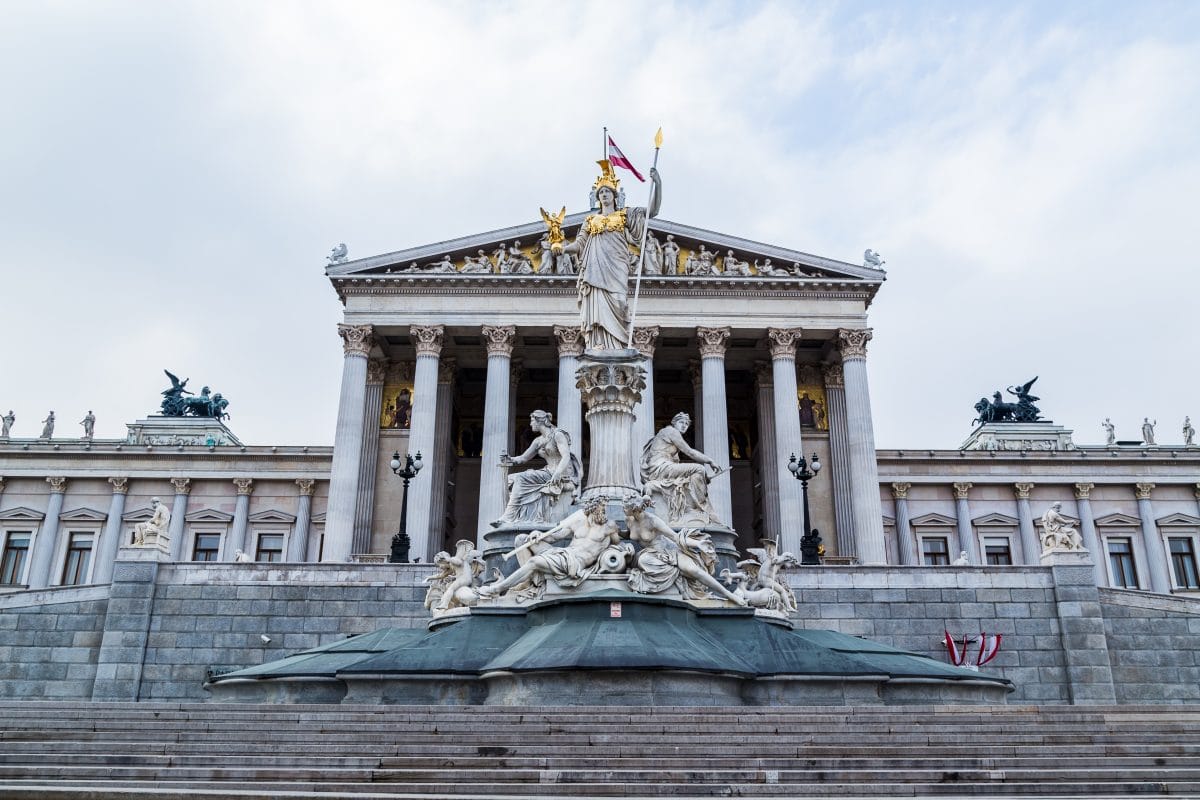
(605, 259)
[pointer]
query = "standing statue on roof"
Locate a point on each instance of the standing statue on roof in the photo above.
(1026, 410)
(603, 250)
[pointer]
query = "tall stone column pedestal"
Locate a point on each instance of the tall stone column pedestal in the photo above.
(611, 383)
(1085, 645)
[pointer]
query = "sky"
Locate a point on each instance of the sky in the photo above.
(173, 175)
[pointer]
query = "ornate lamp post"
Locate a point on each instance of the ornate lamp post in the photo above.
(811, 540)
(400, 542)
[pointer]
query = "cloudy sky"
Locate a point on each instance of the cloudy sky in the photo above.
(174, 173)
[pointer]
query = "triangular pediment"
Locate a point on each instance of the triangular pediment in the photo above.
(318, 519)
(82, 515)
(933, 519)
(272, 516)
(1119, 519)
(209, 515)
(429, 259)
(996, 519)
(138, 515)
(1178, 519)
(21, 514)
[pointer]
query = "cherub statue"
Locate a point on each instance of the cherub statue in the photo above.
(452, 585)
(758, 578)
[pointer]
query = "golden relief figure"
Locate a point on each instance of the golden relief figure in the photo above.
(814, 412)
(396, 411)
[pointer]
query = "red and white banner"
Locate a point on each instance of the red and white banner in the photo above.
(989, 646)
(957, 653)
(618, 159)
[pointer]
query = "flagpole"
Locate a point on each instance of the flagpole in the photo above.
(605, 150)
(637, 285)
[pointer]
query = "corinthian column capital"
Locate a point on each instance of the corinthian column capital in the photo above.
(854, 342)
(1022, 490)
(713, 341)
(835, 376)
(570, 340)
(1083, 491)
(306, 486)
(900, 490)
(428, 339)
(447, 369)
(1143, 490)
(499, 339)
(644, 339)
(962, 491)
(120, 485)
(782, 342)
(356, 339)
(376, 370)
(58, 484)
(182, 485)
(244, 485)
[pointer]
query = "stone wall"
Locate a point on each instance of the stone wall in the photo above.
(1064, 641)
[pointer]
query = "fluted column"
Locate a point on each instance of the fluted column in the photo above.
(713, 342)
(768, 459)
(428, 340)
(106, 549)
(644, 339)
(46, 542)
(839, 457)
(368, 461)
(1031, 548)
(516, 371)
(447, 368)
(906, 543)
(347, 443)
(962, 514)
(1087, 527)
(499, 339)
(241, 516)
(864, 469)
(183, 488)
(1195, 493)
(782, 342)
(570, 404)
(298, 544)
(697, 403)
(1156, 553)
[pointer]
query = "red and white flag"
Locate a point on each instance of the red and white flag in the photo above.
(957, 653)
(618, 159)
(989, 646)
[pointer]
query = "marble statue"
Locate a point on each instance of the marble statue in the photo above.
(518, 262)
(48, 426)
(962, 560)
(700, 262)
(339, 254)
(1110, 431)
(89, 425)
(733, 266)
(150, 531)
(6, 423)
(546, 257)
(564, 264)
(242, 557)
(603, 249)
(1057, 531)
(872, 259)
(670, 256)
(500, 256)
(477, 265)
(683, 485)
(444, 264)
(1189, 433)
(758, 578)
(452, 586)
(654, 256)
(539, 496)
(767, 269)
(590, 533)
(1148, 430)
(684, 559)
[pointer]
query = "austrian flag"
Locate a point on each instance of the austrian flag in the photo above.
(618, 159)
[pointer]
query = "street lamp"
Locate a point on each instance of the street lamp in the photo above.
(811, 541)
(400, 542)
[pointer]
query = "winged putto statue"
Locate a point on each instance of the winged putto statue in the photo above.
(453, 585)
(758, 579)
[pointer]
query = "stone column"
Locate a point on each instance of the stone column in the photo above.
(782, 342)
(368, 460)
(962, 513)
(347, 443)
(864, 469)
(516, 371)
(444, 454)
(697, 404)
(241, 515)
(46, 543)
(1195, 492)
(499, 339)
(106, 551)
(1031, 548)
(768, 458)
(183, 488)
(906, 543)
(611, 387)
(428, 340)
(570, 405)
(644, 339)
(298, 545)
(713, 342)
(1156, 553)
(839, 456)
(1087, 528)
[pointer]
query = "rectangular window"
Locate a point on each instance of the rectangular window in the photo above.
(79, 558)
(1183, 562)
(270, 547)
(997, 551)
(1120, 559)
(935, 550)
(208, 547)
(12, 563)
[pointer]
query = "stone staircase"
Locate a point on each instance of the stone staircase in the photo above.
(167, 750)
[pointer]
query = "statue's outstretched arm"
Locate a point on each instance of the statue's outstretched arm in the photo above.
(689, 451)
(655, 193)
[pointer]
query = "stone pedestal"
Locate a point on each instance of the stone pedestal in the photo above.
(173, 431)
(611, 384)
(1018, 436)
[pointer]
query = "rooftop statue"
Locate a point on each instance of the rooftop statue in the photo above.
(542, 495)
(48, 426)
(603, 250)
(997, 410)
(89, 425)
(1110, 431)
(1148, 430)
(1189, 433)
(338, 255)
(206, 404)
(872, 259)
(6, 423)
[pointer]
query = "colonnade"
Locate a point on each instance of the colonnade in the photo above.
(853, 468)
